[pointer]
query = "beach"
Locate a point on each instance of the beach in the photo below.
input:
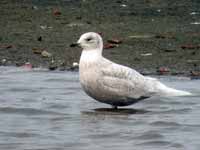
(155, 37)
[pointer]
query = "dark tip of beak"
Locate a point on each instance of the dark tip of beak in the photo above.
(74, 45)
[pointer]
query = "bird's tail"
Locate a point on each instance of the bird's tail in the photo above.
(167, 91)
(174, 92)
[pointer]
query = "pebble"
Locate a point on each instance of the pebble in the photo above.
(35, 7)
(195, 74)
(75, 64)
(165, 36)
(146, 54)
(195, 23)
(190, 46)
(6, 46)
(123, 5)
(53, 65)
(37, 50)
(46, 54)
(44, 27)
(73, 24)
(163, 70)
(109, 46)
(3, 61)
(193, 13)
(141, 36)
(115, 41)
(39, 38)
(56, 12)
(27, 65)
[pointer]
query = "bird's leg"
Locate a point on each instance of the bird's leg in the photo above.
(114, 107)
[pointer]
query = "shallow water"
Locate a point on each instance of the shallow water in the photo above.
(49, 111)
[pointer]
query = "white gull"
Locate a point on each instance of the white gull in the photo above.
(115, 84)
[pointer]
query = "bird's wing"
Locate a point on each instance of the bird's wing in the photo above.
(123, 81)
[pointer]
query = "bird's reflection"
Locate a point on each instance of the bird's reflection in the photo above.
(113, 111)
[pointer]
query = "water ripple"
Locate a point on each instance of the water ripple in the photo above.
(27, 111)
(165, 124)
(149, 135)
(157, 143)
(19, 134)
(46, 110)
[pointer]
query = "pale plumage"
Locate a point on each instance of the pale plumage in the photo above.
(112, 83)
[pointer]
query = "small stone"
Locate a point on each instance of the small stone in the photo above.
(35, 7)
(39, 38)
(6, 46)
(141, 36)
(163, 70)
(169, 50)
(74, 24)
(46, 54)
(119, 1)
(27, 65)
(53, 67)
(56, 12)
(165, 36)
(75, 64)
(123, 5)
(37, 51)
(3, 61)
(195, 74)
(72, 69)
(88, 22)
(193, 53)
(115, 41)
(137, 59)
(9, 46)
(109, 45)
(193, 60)
(194, 13)
(159, 10)
(190, 46)
(78, 17)
(146, 54)
(195, 23)
(43, 27)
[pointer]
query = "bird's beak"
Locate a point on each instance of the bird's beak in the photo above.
(77, 44)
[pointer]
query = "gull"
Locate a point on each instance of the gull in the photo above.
(115, 84)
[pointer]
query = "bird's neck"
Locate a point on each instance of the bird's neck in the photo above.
(90, 55)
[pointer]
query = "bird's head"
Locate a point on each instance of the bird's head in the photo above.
(90, 41)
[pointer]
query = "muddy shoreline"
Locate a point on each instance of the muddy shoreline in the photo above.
(157, 37)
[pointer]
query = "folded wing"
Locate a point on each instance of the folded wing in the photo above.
(125, 81)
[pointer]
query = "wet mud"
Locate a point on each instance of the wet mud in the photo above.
(156, 37)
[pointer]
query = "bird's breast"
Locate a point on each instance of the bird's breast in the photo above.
(88, 75)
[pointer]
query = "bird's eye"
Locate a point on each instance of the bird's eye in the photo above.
(88, 39)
